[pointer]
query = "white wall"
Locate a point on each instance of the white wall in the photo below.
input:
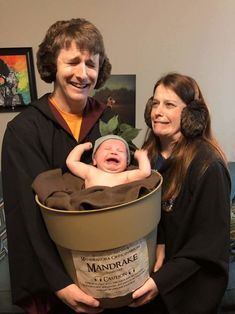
(147, 38)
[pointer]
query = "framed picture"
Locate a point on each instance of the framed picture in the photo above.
(17, 79)
(119, 92)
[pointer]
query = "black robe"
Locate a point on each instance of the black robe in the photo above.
(35, 141)
(194, 275)
(196, 232)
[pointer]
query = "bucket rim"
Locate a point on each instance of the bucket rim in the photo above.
(80, 212)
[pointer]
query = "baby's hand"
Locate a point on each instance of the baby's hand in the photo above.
(87, 145)
(140, 153)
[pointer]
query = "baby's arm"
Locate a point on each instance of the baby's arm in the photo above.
(73, 162)
(144, 166)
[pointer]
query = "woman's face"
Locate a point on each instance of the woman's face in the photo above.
(77, 73)
(166, 113)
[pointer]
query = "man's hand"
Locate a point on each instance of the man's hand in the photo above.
(77, 300)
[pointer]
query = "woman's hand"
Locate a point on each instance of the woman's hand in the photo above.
(77, 300)
(149, 290)
(144, 294)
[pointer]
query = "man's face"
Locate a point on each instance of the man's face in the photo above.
(77, 73)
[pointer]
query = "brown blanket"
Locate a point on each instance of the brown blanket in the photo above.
(67, 192)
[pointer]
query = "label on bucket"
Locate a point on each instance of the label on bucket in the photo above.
(112, 273)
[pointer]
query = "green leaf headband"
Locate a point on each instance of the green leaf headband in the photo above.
(124, 130)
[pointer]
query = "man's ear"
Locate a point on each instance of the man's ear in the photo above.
(94, 163)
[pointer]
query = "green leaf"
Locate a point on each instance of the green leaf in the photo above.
(113, 124)
(125, 126)
(130, 134)
(103, 128)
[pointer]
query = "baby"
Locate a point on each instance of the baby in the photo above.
(111, 156)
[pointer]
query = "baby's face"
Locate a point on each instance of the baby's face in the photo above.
(111, 156)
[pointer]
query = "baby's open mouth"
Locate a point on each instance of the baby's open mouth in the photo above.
(112, 160)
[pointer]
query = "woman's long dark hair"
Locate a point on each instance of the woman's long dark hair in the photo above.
(195, 129)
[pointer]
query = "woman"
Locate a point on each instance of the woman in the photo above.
(195, 198)
(73, 58)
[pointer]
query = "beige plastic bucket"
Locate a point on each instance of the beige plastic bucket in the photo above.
(97, 237)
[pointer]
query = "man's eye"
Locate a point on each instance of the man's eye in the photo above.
(90, 64)
(72, 63)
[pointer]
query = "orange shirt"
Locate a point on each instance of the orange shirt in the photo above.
(74, 121)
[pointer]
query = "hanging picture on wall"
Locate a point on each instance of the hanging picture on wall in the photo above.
(17, 79)
(119, 92)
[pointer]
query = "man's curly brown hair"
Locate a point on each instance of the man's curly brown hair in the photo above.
(60, 35)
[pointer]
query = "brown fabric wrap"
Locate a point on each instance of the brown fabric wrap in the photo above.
(67, 192)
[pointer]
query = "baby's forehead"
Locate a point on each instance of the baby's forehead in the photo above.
(113, 141)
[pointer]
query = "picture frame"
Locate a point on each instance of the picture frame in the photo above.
(17, 78)
(119, 93)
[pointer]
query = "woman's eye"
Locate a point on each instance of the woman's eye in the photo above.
(155, 104)
(170, 105)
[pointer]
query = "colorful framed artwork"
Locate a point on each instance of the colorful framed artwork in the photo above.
(119, 92)
(17, 79)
